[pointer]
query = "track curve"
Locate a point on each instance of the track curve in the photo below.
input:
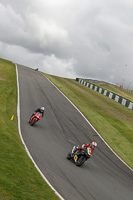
(102, 177)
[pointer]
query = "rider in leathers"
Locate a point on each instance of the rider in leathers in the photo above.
(41, 110)
(91, 145)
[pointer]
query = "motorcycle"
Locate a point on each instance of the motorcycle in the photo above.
(80, 156)
(35, 118)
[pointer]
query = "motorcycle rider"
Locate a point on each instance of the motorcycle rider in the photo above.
(41, 110)
(91, 145)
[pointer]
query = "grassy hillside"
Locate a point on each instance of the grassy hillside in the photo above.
(112, 120)
(127, 94)
(19, 179)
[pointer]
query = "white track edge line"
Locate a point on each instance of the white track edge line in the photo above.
(89, 123)
(19, 129)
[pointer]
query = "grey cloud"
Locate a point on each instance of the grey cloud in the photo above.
(32, 32)
(70, 38)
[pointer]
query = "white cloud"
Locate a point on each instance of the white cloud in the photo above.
(55, 66)
(49, 64)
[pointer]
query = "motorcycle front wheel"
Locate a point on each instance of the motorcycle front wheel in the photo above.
(80, 161)
(33, 122)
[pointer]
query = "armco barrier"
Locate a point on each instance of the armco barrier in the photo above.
(111, 95)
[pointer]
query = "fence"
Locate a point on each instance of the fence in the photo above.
(111, 95)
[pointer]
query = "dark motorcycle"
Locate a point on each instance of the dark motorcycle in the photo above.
(35, 118)
(80, 156)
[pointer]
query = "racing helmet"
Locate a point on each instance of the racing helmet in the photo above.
(42, 109)
(93, 144)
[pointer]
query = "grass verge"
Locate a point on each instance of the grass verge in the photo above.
(19, 179)
(112, 120)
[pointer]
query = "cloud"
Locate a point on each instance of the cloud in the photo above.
(32, 32)
(55, 66)
(90, 39)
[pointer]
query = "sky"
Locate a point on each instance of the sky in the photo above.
(70, 38)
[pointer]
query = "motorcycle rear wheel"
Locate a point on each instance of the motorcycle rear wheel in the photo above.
(68, 156)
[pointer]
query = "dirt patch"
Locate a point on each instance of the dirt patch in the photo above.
(2, 79)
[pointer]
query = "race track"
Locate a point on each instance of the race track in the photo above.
(103, 177)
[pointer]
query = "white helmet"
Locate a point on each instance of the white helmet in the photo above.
(42, 109)
(94, 144)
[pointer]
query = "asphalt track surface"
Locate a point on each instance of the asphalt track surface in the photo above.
(103, 177)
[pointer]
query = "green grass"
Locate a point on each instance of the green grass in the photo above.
(112, 120)
(19, 179)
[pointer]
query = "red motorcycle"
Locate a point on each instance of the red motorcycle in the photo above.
(35, 118)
